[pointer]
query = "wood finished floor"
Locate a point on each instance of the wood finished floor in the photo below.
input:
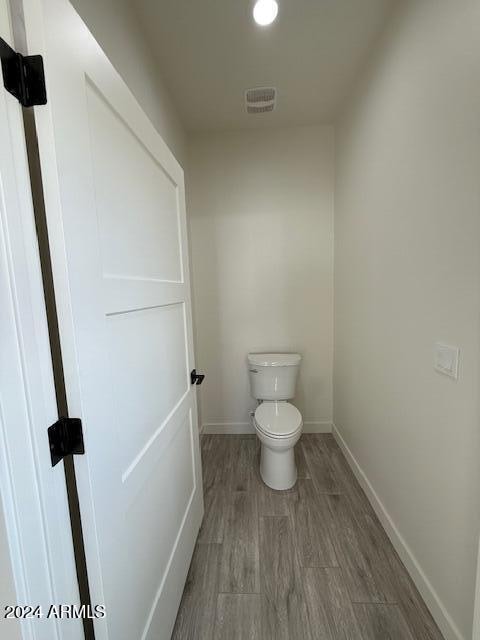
(312, 563)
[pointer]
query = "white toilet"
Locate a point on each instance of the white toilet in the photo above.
(277, 422)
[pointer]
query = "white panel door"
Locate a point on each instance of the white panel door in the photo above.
(115, 208)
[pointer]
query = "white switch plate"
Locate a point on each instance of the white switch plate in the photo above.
(446, 359)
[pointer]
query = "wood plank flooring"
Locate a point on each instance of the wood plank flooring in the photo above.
(311, 563)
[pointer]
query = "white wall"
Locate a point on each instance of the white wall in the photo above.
(116, 27)
(407, 274)
(261, 222)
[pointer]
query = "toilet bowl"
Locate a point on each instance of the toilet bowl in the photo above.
(279, 427)
(278, 423)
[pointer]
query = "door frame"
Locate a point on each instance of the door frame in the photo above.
(33, 494)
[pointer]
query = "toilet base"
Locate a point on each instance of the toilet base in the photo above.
(277, 467)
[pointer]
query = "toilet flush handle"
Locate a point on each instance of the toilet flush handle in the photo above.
(196, 378)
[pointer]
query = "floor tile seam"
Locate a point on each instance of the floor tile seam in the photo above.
(377, 604)
(239, 593)
(382, 603)
(323, 566)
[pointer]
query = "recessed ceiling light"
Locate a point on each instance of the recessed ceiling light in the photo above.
(265, 12)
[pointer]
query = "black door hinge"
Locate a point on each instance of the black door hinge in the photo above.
(196, 378)
(65, 438)
(23, 76)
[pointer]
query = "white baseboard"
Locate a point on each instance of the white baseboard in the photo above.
(235, 428)
(317, 427)
(426, 589)
(476, 610)
(225, 428)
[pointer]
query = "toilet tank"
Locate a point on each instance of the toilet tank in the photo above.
(273, 376)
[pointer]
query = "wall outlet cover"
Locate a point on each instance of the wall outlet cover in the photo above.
(446, 359)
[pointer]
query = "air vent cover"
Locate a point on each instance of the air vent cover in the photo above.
(260, 99)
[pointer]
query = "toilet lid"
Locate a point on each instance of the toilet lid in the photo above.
(278, 419)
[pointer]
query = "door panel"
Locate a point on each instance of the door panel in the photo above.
(137, 201)
(143, 346)
(115, 207)
(151, 554)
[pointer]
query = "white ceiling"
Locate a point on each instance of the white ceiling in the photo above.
(210, 51)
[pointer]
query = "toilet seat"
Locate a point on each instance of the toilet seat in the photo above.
(278, 419)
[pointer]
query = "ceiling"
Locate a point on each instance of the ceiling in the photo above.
(210, 51)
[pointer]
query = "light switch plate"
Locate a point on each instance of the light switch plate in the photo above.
(446, 359)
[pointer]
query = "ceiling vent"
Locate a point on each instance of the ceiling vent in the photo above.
(260, 99)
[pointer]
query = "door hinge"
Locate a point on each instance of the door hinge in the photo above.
(66, 438)
(23, 76)
(196, 378)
